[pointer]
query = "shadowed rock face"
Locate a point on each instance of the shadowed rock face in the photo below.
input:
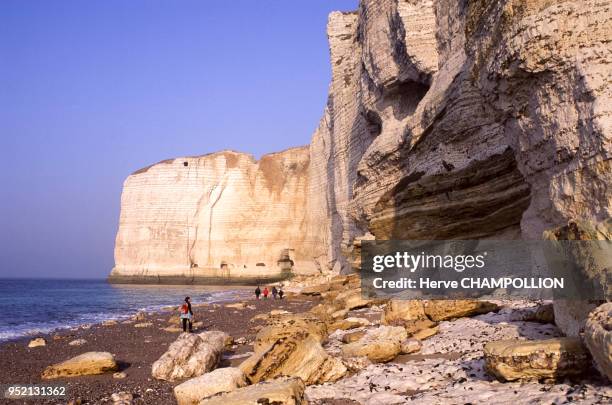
(511, 138)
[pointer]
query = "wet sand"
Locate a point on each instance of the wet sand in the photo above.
(135, 349)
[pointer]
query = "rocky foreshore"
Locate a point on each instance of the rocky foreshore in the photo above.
(324, 344)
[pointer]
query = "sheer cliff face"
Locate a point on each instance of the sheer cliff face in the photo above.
(467, 119)
(220, 214)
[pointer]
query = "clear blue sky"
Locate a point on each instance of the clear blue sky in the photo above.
(93, 90)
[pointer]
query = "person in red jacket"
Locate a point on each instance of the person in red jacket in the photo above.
(266, 292)
(187, 315)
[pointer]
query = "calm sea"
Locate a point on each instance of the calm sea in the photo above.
(28, 307)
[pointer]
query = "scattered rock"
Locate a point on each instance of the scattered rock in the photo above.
(443, 310)
(143, 325)
(174, 320)
(282, 391)
(410, 345)
(356, 364)
(349, 323)
(220, 380)
(122, 398)
(37, 342)
(77, 342)
(352, 336)
(287, 325)
(315, 290)
(109, 322)
(542, 314)
(119, 375)
(353, 299)
(378, 345)
(598, 338)
(297, 355)
(172, 329)
(90, 363)
(425, 333)
(275, 312)
(236, 305)
(190, 355)
(511, 360)
(397, 312)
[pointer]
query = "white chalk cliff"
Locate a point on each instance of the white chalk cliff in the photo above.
(445, 119)
(219, 215)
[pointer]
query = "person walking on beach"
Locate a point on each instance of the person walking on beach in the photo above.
(187, 315)
(257, 292)
(266, 292)
(274, 292)
(280, 293)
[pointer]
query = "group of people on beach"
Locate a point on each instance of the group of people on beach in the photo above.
(276, 292)
(187, 313)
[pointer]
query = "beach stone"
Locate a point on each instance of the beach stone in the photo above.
(425, 333)
(410, 345)
(236, 305)
(297, 355)
(352, 336)
(109, 322)
(378, 345)
(217, 338)
(122, 398)
(37, 342)
(188, 356)
(353, 299)
(172, 329)
(315, 290)
(349, 323)
(275, 312)
(356, 364)
(325, 311)
(281, 391)
(510, 360)
(90, 363)
(174, 320)
(542, 314)
(598, 338)
(77, 342)
(220, 380)
(397, 312)
(443, 310)
(119, 375)
(143, 325)
(288, 324)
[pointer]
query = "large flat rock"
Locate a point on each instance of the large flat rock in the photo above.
(283, 391)
(90, 363)
(511, 360)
